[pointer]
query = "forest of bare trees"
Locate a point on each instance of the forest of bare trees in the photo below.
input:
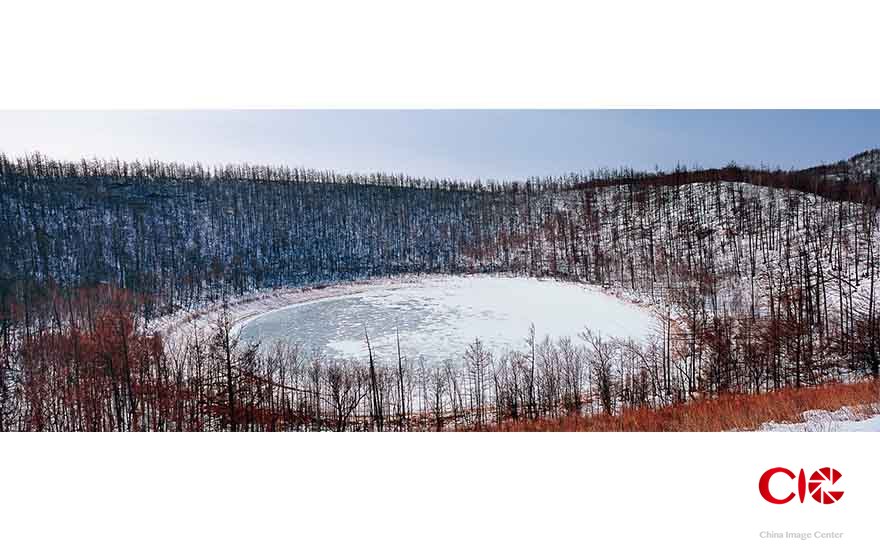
(766, 277)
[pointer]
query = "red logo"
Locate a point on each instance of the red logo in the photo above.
(816, 486)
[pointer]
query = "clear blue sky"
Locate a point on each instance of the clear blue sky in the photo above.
(463, 143)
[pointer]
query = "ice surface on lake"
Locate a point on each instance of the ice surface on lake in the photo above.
(438, 317)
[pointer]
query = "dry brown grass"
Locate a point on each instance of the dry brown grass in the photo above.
(724, 413)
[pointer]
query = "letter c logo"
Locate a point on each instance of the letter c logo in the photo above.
(764, 485)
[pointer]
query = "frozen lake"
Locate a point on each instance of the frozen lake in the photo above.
(438, 317)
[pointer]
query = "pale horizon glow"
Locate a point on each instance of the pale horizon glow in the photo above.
(465, 144)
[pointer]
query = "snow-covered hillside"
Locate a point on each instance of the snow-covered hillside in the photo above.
(867, 163)
(761, 280)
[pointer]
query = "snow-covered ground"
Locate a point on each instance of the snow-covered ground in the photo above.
(437, 316)
(846, 419)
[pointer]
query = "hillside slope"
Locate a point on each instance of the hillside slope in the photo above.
(767, 282)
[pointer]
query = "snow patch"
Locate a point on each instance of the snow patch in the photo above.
(847, 419)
